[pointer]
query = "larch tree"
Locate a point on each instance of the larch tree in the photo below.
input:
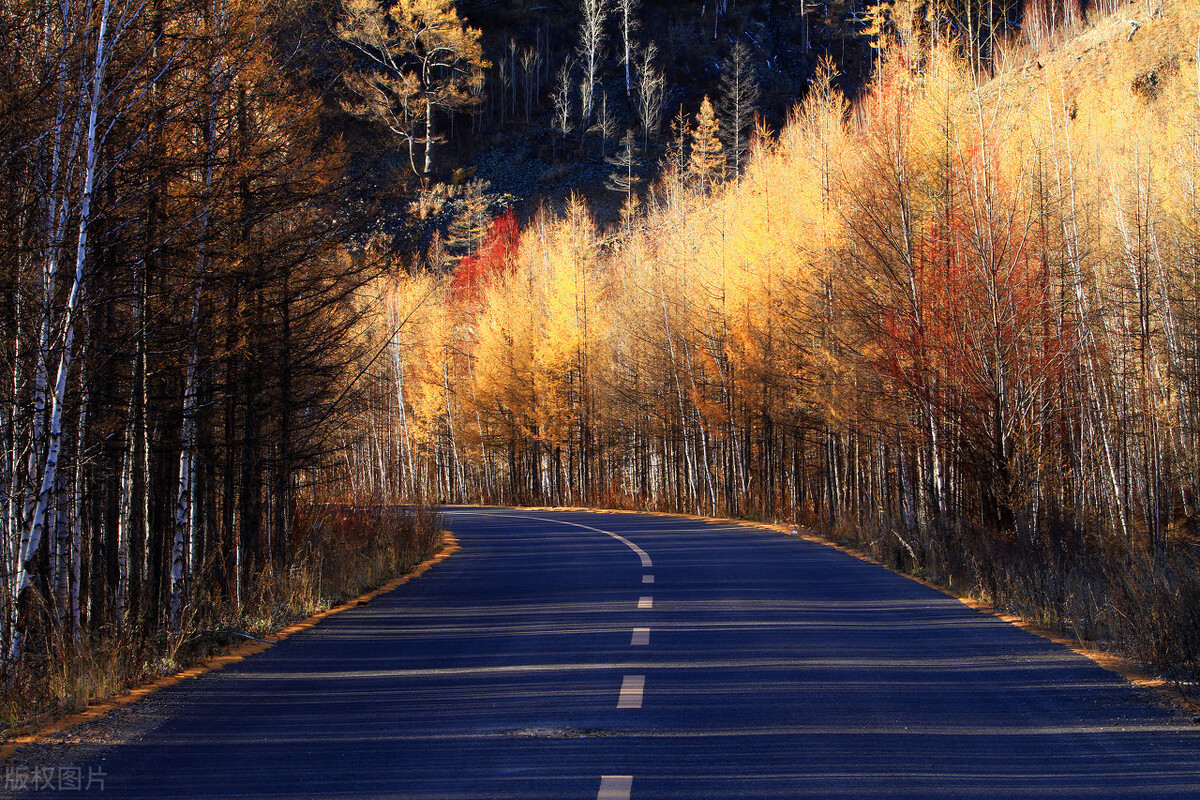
(706, 163)
(960, 325)
(739, 95)
(472, 219)
(173, 219)
(626, 168)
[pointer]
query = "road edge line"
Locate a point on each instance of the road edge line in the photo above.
(449, 547)
(1124, 667)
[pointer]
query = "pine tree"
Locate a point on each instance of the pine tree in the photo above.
(423, 58)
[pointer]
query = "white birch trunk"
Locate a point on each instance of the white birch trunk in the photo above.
(183, 498)
(49, 476)
(408, 478)
(456, 466)
(124, 522)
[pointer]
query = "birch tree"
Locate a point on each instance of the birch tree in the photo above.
(85, 135)
(628, 11)
(592, 36)
(651, 91)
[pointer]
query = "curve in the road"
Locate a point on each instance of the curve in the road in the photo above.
(631, 693)
(778, 669)
(641, 554)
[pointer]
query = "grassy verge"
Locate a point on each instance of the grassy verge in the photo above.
(341, 551)
(1137, 601)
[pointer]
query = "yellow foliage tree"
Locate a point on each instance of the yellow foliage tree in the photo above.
(707, 161)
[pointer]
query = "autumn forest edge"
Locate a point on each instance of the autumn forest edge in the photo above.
(939, 298)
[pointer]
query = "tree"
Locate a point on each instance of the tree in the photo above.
(626, 169)
(421, 59)
(651, 88)
(562, 100)
(592, 34)
(531, 68)
(628, 9)
(81, 130)
(675, 160)
(472, 219)
(706, 165)
(605, 125)
(180, 311)
(739, 95)
(965, 323)
(495, 256)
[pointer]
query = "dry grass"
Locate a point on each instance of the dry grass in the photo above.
(1140, 602)
(341, 551)
(1105, 57)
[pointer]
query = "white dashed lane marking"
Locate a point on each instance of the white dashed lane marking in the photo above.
(631, 691)
(615, 787)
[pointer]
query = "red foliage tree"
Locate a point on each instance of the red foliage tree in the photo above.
(495, 256)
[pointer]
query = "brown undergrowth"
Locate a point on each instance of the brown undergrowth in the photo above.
(1132, 599)
(342, 550)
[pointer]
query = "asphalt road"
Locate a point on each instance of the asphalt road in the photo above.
(577, 655)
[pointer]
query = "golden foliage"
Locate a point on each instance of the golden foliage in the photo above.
(918, 294)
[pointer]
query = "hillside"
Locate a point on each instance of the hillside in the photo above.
(1140, 49)
(514, 140)
(514, 148)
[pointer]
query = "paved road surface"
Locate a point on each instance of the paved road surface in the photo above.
(575, 655)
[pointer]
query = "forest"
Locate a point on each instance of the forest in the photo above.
(183, 335)
(278, 279)
(953, 320)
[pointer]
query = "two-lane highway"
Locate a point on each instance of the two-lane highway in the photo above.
(587, 655)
